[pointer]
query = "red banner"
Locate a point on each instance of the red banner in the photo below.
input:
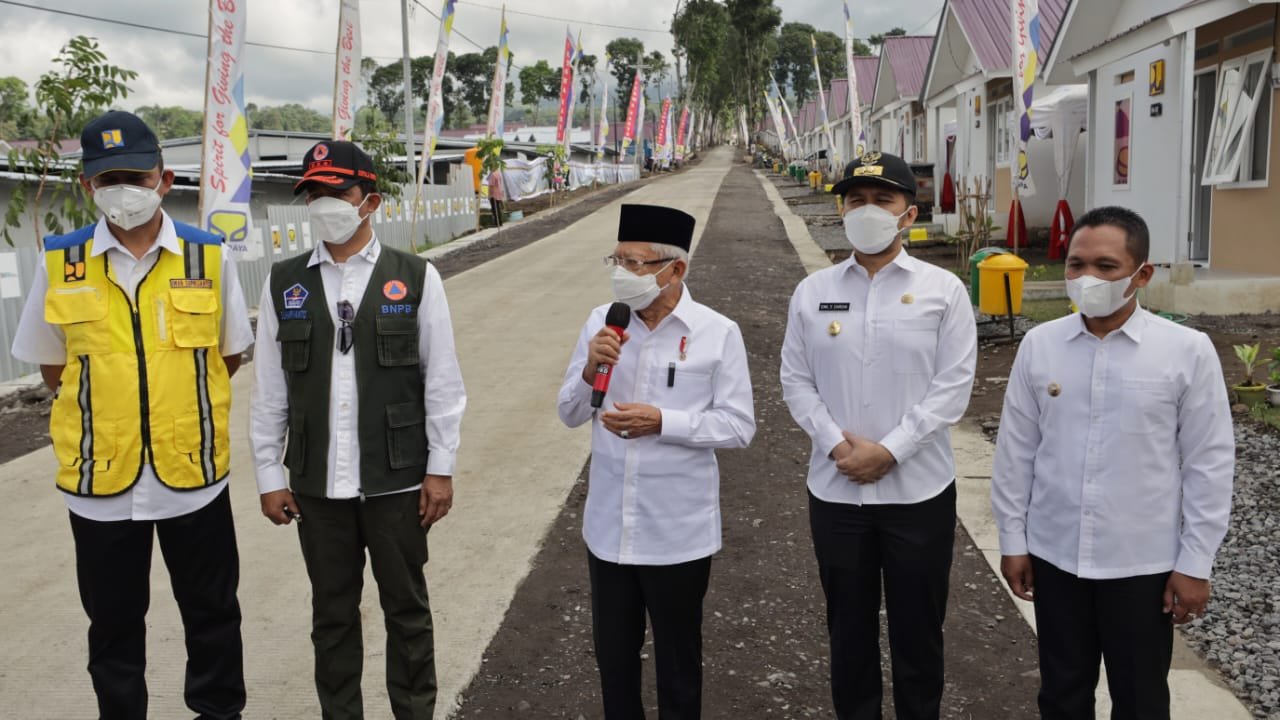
(629, 134)
(662, 123)
(566, 88)
(682, 132)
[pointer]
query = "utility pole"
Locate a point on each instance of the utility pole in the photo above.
(410, 164)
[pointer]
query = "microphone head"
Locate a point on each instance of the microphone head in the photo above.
(619, 315)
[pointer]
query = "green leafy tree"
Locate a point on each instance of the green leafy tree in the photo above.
(878, 39)
(291, 117)
(81, 86)
(656, 69)
(624, 55)
(754, 43)
(171, 122)
(15, 114)
(383, 143)
(588, 77)
(474, 72)
(701, 36)
(538, 82)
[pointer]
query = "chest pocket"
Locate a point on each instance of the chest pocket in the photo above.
(194, 320)
(1147, 407)
(397, 341)
(294, 337)
(915, 344)
(81, 312)
(691, 390)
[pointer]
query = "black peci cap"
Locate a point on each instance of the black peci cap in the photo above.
(338, 164)
(656, 224)
(118, 141)
(876, 168)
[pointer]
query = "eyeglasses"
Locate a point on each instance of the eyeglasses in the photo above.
(632, 264)
(346, 314)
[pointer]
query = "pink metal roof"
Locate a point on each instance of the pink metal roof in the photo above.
(866, 66)
(838, 98)
(908, 56)
(808, 116)
(986, 23)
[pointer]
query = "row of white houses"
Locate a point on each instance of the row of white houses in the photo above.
(1163, 106)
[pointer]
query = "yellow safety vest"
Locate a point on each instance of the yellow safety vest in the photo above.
(144, 381)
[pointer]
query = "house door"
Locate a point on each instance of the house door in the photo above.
(1206, 92)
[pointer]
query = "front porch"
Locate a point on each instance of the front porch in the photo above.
(1208, 291)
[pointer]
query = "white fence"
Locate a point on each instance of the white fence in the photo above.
(528, 178)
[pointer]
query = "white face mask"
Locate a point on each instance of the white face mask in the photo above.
(127, 206)
(637, 291)
(870, 228)
(1098, 298)
(334, 220)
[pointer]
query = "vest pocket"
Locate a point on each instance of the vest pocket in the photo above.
(81, 312)
(295, 452)
(406, 435)
(194, 320)
(294, 337)
(397, 341)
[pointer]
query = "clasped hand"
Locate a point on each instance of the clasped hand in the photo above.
(861, 460)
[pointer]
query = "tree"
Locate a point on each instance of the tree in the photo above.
(754, 42)
(860, 47)
(701, 37)
(656, 69)
(171, 122)
(878, 38)
(538, 82)
(67, 98)
(15, 114)
(588, 77)
(291, 117)
(474, 72)
(624, 55)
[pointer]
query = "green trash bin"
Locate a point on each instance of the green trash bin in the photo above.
(974, 259)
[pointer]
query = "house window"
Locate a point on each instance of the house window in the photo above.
(1240, 135)
(1002, 118)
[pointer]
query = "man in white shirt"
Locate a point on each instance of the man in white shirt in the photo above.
(877, 364)
(680, 388)
(137, 324)
(1112, 478)
(355, 361)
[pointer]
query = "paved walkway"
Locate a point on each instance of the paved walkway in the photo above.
(513, 317)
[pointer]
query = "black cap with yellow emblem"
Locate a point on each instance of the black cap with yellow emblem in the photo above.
(876, 168)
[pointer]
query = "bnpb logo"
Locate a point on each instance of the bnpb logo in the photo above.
(395, 291)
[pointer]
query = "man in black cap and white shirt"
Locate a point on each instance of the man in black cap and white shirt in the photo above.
(877, 364)
(355, 361)
(680, 389)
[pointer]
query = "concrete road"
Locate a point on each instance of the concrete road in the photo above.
(516, 319)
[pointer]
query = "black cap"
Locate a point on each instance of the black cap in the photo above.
(336, 164)
(118, 141)
(876, 168)
(656, 224)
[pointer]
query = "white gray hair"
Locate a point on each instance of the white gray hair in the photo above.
(670, 251)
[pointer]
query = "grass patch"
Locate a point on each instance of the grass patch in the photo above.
(1266, 413)
(1045, 310)
(1046, 272)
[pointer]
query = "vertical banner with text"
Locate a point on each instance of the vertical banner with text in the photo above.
(833, 153)
(682, 134)
(435, 103)
(225, 176)
(633, 112)
(566, 87)
(1026, 62)
(347, 75)
(856, 132)
(498, 94)
(602, 133)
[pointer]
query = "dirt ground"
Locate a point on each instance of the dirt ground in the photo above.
(765, 646)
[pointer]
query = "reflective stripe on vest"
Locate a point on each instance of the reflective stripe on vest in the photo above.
(140, 385)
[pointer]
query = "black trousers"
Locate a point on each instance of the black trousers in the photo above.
(495, 207)
(335, 535)
(910, 546)
(113, 567)
(1081, 622)
(672, 596)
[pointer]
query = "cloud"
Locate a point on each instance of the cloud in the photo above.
(171, 67)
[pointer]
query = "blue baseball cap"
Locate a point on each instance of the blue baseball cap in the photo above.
(118, 141)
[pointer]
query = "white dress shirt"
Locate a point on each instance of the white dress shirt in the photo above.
(443, 397)
(655, 500)
(889, 358)
(1115, 456)
(41, 343)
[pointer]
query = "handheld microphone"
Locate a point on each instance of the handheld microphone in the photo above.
(617, 319)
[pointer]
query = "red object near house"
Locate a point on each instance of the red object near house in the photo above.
(1060, 233)
(948, 202)
(1017, 227)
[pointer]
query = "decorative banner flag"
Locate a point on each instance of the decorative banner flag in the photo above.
(225, 176)
(498, 93)
(786, 111)
(682, 134)
(640, 130)
(629, 131)
(668, 119)
(856, 131)
(602, 133)
(566, 86)
(435, 103)
(776, 113)
(347, 75)
(573, 97)
(663, 129)
(1026, 60)
(833, 154)
(694, 137)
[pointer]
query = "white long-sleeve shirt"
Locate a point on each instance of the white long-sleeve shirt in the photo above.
(655, 500)
(443, 396)
(890, 358)
(1115, 456)
(40, 342)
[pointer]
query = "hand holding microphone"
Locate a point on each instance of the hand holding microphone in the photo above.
(604, 351)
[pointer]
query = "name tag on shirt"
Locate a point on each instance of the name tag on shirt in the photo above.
(833, 307)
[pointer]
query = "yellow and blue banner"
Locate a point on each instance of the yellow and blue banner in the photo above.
(435, 103)
(225, 175)
(833, 153)
(498, 94)
(1026, 62)
(856, 131)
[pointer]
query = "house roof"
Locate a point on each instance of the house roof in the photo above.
(807, 116)
(908, 56)
(838, 98)
(986, 24)
(866, 67)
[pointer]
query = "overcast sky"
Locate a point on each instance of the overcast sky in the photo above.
(171, 69)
